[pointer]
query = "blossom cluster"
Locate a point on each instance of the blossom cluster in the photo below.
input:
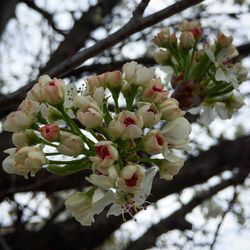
(120, 123)
(124, 126)
(204, 74)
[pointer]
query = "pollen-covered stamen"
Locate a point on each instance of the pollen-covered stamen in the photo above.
(157, 89)
(159, 140)
(103, 151)
(132, 181)
(128, 121)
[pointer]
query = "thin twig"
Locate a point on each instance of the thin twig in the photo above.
(140, 8)
(230, 205)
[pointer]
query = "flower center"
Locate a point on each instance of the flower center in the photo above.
(52, 83)
(102, 151)
(196, 32)
(157, 89)
(159, 140)
(132, 181)
(128, 121)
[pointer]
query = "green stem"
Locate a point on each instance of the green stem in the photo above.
(68, 162)
(47, 143)
(54, 153)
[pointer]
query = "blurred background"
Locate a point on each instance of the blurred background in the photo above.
(206, 206)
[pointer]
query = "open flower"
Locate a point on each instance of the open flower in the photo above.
(154, 142)
(170, 166)
(170, 109)
(154, 92)
(137, 74)
(70, 144)
(130, 178)
(80, 206)
(176, 132)
(106, 156)
(127, 125)
(104, 181)
(24, 161)
(149, 113)
(50, 132)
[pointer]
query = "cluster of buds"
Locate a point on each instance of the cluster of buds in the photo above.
(204, 75)
(127, 137)
(124, 126)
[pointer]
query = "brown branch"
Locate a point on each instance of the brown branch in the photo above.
(10, 101)
(177, 219)
(140, 8)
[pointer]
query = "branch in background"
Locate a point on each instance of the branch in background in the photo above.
(140, 8)
(230, 205)
(177, 219)
(45, 14)
(227, 155)
(132, 27)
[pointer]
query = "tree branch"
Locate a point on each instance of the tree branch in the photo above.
(140, 8)
(177, 219)
(10, 101)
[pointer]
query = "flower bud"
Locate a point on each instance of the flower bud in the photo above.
(187, 40)
(104, 181)
(80, 206)
(29, 106)
(223, 40)
(50, 132)
(170, 109)
(18, 121)
(113, 80)
(24, 138)
(149, 113)
(163, 57)
(24, 161)
(162, 38)
(35, 93)
(170, 166)
(130, 178)
(176, 132)
(153, 142)
(154, 92)
(70, 144)
(242, 72)
(54, 91)
(93, 83)
(90, 118)
(106, 156)
(137, 74)
(194, 27)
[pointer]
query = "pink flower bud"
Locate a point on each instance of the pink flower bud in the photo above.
(154, 92)
(50, 132)
(149, 113)
(106, 156)
(54, 91)
(113, 80)
(130, 178)
(70, 144)
(170, 109)
(154, 142)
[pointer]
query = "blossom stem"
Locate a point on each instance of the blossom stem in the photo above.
(68, 162)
